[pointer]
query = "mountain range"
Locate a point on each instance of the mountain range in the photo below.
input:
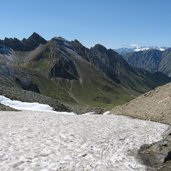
(69, 74)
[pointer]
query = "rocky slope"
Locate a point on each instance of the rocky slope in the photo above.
(15, 93)
(154, 105)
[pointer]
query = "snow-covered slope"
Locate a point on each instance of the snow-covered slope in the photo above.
(33, 141)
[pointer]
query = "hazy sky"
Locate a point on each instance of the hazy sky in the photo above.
(113, 23)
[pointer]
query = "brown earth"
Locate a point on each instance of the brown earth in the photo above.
(154, 105)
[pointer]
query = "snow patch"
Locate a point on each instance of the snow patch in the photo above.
(29, 106)
(25, 105)
(106, 113)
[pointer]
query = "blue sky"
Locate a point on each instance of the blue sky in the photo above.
(113, 23)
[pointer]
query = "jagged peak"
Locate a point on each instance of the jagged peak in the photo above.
(36, 36)
(99, 47)
(113, 51)
(61, 41)
(59, 38)
(10, 39)
(77, 43)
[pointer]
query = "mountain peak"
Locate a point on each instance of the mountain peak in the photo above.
(59, 38)
(36, 37)
(77, 42)
(99, 47)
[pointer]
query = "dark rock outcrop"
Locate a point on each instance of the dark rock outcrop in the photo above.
(64, 69)
(27, 85)
(157, 156)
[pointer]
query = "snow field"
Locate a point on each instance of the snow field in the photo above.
(41, 141)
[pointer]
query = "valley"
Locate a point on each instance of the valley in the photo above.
(50, 83)
(71, 74)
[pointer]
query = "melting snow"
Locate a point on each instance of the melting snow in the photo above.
(25, 105)
(28, 106)
(32, 141)
(45, 141)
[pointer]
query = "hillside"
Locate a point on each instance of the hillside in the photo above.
(154, 105)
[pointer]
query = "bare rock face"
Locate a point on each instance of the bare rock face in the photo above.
(157, 156)
(64, 69)
(27, 85)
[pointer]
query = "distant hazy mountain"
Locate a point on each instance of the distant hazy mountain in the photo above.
(123, 51)
(71, 73)
(152, 60)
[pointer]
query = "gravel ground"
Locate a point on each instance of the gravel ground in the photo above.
(157, 156)
(35, 141)
(154, 105)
